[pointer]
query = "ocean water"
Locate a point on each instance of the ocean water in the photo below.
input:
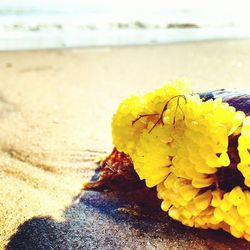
(34, 24)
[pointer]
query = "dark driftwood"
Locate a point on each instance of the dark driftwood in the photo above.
(237, 99)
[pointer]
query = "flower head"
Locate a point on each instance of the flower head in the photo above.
(189, 149)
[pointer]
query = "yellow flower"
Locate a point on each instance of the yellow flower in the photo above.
(182, 145)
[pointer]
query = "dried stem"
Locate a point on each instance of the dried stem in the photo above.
(141, 116)
(160, 120)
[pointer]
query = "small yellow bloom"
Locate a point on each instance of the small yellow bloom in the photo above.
(236, 196)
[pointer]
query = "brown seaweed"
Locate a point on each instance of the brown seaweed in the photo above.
(115, 172)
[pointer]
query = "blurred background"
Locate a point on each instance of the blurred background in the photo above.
(36, 24)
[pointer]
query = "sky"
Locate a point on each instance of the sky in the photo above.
(235, 10)
(130, 4)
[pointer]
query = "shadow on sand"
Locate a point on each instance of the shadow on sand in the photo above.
(113, 220)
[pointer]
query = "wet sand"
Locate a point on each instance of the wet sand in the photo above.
(55, 113)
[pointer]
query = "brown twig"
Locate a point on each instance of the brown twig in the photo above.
(141, 116)
(166, 107)
(160, 120)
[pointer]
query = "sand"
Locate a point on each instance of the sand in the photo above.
(55, 113)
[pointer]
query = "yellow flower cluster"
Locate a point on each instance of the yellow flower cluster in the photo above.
(178, 142)
(244, 151)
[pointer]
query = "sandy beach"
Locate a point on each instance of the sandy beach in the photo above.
(55, 113)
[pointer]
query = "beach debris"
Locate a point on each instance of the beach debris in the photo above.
(115, 172)
(194, 149)
(182, 26)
